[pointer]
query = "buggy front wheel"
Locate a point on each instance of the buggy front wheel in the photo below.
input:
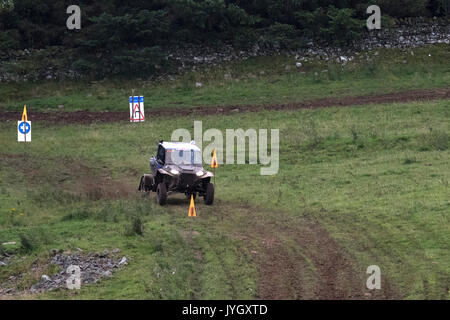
(161, 193)
(209, 195)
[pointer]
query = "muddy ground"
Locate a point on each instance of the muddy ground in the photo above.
(87, 117)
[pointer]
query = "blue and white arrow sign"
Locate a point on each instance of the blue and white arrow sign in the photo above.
(24, 128)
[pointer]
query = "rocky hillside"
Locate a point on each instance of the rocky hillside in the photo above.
(53, 63)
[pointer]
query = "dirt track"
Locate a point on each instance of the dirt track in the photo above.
(297, 258)
(86, 117)
(301, 260)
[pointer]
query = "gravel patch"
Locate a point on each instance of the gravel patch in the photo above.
(93, 267)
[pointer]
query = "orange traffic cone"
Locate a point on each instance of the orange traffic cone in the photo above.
(214, 162)
(192, 207)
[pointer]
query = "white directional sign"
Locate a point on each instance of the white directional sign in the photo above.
(24, 128)
(137, 109)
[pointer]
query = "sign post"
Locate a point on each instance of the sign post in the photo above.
(192, 212)
(214, 165)
(24, 128)
(137, 108)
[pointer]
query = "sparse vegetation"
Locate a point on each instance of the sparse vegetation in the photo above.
(436, 140)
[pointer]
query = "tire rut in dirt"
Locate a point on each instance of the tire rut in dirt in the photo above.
(227, 273)
(279, 274)
(88, 117)
(298, 259)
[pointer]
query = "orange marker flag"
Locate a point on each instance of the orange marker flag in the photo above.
(214, 162)
(192, 207)
(24, 114)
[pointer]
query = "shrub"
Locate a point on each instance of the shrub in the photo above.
(312, 133)
(77, 214)
(435, 140)
(9, 40)
(280, 36)
(354, 133)
(440, 7)
(28, 243)
(410, 160)
(136, 227)
(6, 5)
(438, 140)
(403, 8)
(342, 28)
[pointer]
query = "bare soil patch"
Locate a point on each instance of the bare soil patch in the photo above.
(69, 176)
(299, 259)
(88, 117)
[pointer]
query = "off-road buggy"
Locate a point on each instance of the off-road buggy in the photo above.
(177, 168)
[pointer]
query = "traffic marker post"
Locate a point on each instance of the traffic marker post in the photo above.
(137, 113)
(24, 131)
(214, 165)
(192, 212)
(24, 127)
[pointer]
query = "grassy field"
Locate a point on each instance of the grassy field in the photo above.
(357, 186)
(262, 80)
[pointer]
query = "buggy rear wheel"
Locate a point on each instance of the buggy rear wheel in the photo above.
(146, 185)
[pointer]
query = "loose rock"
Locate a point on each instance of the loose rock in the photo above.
(45, 277)
(93, 267)
(123, 261)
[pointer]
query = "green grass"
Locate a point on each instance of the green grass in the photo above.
(262, 80)
(375, 177)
